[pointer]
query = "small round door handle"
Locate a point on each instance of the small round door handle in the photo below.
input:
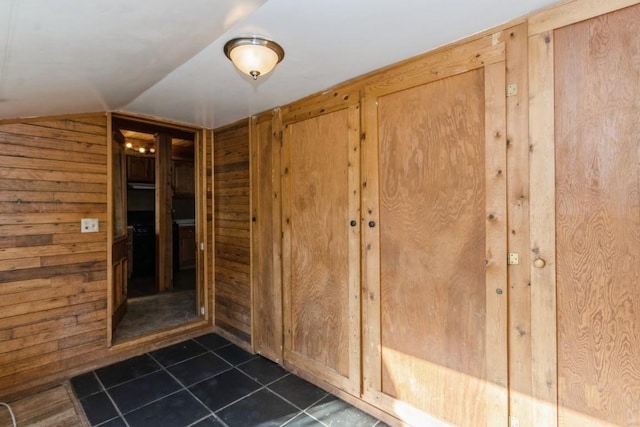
(372, 224)
(539, 263)
(353, 223)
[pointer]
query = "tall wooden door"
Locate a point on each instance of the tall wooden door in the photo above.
(121, 240)
(435, 241)
(321, 246)
(266, 238)
(590, 116)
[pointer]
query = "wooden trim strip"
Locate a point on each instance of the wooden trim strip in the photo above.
(436, 66)
(497, 403)
(542, 224)
(573, 11)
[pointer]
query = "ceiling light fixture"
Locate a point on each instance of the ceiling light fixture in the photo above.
(254, 56)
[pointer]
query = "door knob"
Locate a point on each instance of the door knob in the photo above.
(539, 263)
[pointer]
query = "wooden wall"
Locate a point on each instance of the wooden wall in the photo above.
(53, 279)
(566, 328)
(232, 231)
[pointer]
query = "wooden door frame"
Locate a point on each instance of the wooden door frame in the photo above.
(201, 138)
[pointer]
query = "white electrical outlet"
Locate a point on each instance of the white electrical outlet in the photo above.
(89, 225)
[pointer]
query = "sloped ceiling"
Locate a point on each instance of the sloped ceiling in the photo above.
(164, 58)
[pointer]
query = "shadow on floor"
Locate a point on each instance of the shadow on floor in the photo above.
(208, 381)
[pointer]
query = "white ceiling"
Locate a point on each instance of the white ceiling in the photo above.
(164, 58)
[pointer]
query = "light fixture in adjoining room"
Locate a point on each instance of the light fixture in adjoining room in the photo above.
(254, 56)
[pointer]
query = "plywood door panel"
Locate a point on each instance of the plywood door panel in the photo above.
(597, 104)
(266, 238)
(321, 267)
(440, 339)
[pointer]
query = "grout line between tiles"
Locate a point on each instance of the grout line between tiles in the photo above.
(211, 413)
(106, 392)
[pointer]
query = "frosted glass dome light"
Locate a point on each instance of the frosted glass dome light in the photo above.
(254, 56)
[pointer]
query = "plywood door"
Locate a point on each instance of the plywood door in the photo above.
(321, 247)
(436, 311)
(597, 203)
(266, 237)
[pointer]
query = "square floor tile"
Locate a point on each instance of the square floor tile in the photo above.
(127, 370)
(177, 410)
(208, 422)
(298, 391)
(178, 352)
(234, 354)
(212, 341)
(85, 384)
(304, 420)
(116, 422)
(262, 370)
(199, 368)
(262, 408)
(139, 392)
(224, 389)
(98, 408)
(335, 412)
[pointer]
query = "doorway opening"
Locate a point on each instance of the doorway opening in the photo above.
(155, 284)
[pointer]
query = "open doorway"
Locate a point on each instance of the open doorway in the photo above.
(157, 193)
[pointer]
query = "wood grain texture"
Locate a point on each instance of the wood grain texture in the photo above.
(50, 273)
(56, 407)
(519, 278)
(265, 190)
(320, 247)
(542, 231)
(320, 231)
(597, 104)
(572, 11)
(432, 234)
(232, 228)
(54, 279)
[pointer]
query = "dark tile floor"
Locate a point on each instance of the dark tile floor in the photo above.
(208, 381)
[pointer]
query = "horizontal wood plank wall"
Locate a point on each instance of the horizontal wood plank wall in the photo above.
(232, 230)
(53, 279)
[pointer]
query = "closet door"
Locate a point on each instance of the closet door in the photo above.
(321, 246)
(435, 240)
(586, 222)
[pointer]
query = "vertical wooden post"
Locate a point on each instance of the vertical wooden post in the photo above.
(542, 217)
(164, 200)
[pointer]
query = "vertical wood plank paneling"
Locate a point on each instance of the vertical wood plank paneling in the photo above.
(519, 362)
(208, 138)
(265, 188)
(597, 123)
(232, 230)
(542, 226)
(496, 359)
(371, 351)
